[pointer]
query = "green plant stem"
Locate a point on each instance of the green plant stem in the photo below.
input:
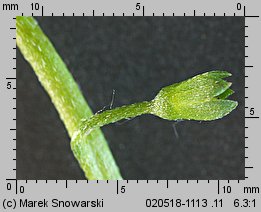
(117, 114)
(66, 96)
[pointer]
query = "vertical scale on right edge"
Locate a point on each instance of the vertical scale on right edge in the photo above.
(245, 86)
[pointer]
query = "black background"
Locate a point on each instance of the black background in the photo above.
(136, 56)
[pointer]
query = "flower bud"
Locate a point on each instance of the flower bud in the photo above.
(202, 97)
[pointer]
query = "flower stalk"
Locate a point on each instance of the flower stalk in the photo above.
(201, 98)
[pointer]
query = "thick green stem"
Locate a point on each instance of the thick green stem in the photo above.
(66, 96)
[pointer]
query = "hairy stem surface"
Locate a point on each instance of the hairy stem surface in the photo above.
(114, 115)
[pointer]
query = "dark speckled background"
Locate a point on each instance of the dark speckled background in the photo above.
(136, 56)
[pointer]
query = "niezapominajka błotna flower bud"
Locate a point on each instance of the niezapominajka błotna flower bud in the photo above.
(202, 97)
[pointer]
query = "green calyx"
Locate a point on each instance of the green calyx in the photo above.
(202, 98)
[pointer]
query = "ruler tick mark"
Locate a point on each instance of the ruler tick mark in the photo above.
(218, 186)
(117, 182)
(252, 16)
